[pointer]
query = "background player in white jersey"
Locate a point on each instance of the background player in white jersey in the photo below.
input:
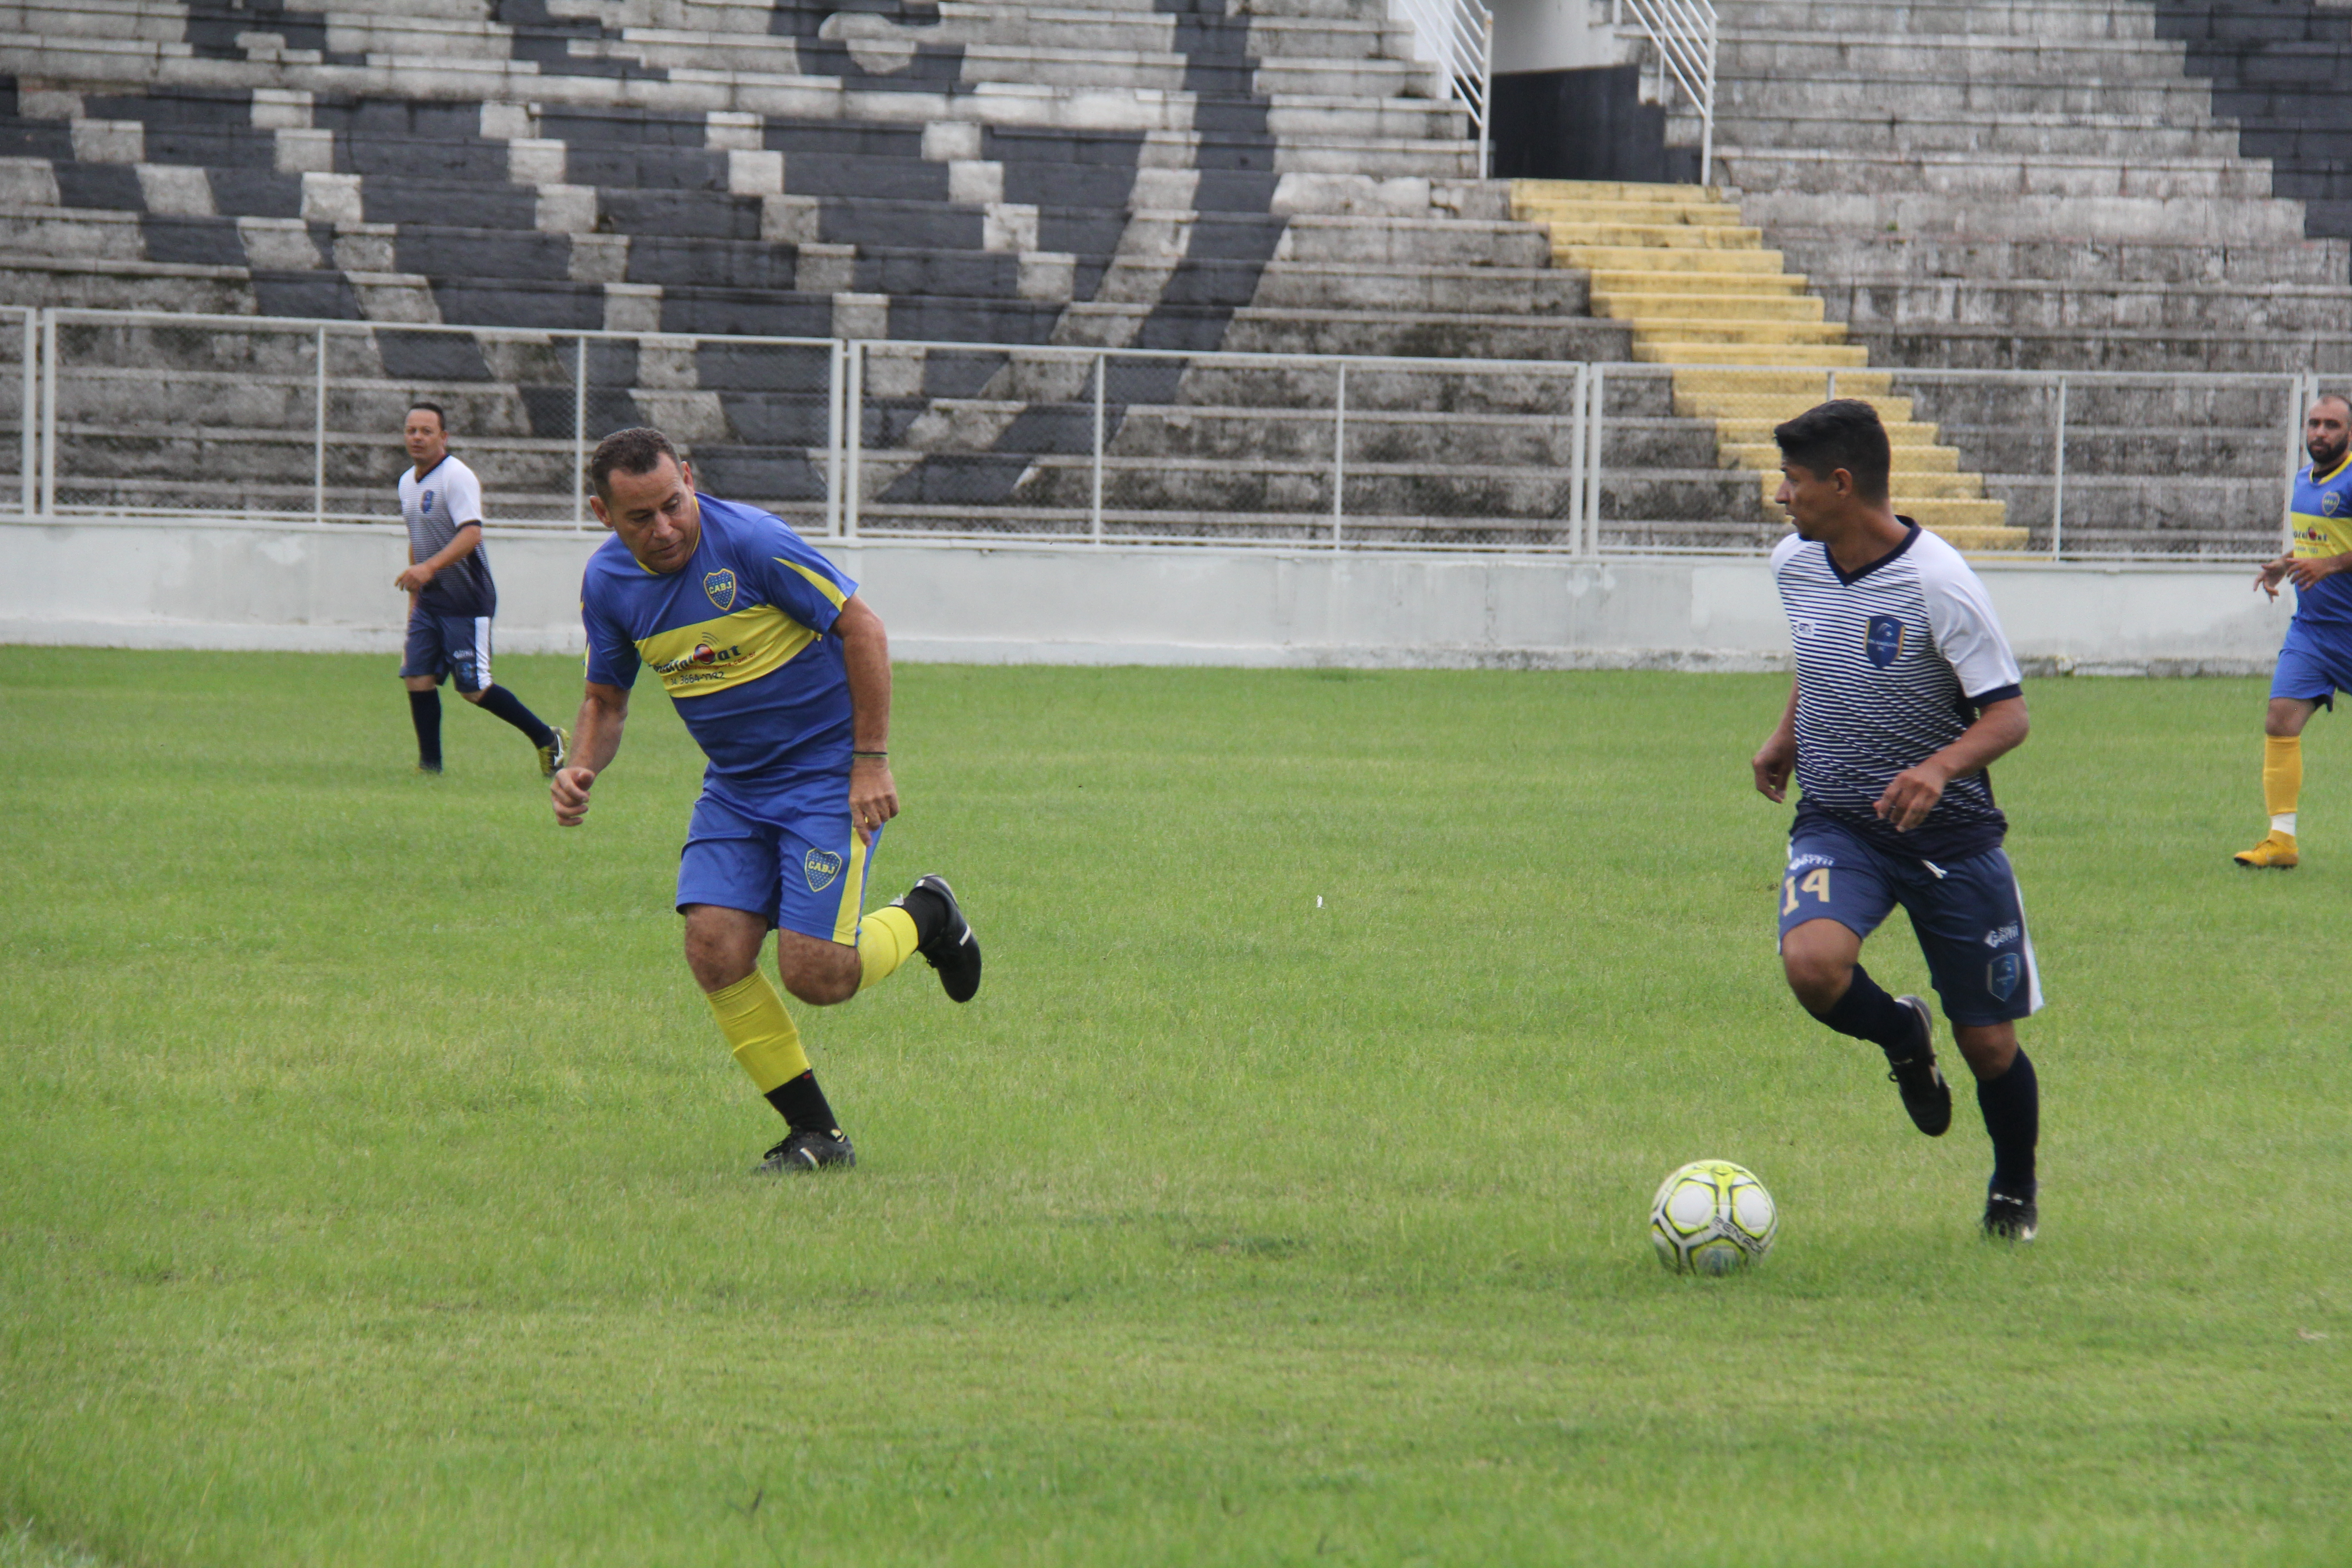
(1905, 692)
(451, 597)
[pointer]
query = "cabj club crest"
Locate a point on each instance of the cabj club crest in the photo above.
(721, 587)
(822, 867)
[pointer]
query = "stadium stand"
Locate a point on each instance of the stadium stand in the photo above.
(1101, 174)
(2045, 185)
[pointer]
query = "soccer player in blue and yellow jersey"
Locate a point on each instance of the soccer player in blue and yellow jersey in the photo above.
(781, 674)
(2316, 661)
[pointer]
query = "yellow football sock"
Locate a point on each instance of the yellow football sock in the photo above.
(2282, 780)
(766, 1040)
(884, 942)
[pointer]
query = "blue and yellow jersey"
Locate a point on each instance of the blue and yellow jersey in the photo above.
(2322, 520)
(738, 636)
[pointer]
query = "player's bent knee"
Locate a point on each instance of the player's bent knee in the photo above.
(819, 972)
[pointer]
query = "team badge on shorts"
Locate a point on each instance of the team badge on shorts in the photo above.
(2002, 974)
(721, 587)
(1883, 641)
(822, 867)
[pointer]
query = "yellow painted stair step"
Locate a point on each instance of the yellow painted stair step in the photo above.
(1842, 356)
(1657, 236)
(1745, 429)
(1650, 260)
(1913, 457)
(1695, 283)
(1628, 304)
(1658, 213)
(1705, 330)
(1611, 191)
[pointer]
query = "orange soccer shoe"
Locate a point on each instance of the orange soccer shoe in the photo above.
(2275, 852)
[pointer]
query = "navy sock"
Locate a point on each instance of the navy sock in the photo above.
(1867, 1013)
(424, 713)
(2011, 1104)
(802, 1105)
(498, 700)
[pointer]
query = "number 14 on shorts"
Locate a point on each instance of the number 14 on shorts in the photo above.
(1816, 882)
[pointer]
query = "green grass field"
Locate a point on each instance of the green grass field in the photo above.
(372, 1179)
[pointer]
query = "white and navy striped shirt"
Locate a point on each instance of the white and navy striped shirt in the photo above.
(435, 508)
(1893, 664)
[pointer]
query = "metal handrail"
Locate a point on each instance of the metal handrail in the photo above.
(1683, 34)
(1458, 37)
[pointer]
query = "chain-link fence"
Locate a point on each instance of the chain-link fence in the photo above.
(149, 414)
(20, 363)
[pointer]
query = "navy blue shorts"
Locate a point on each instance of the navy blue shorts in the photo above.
(1966, 913)
(449, 647)
(2313, 665)
(801, 869)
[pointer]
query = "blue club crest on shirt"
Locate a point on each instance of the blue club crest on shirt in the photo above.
(1882, 643)
(822, 867)
(721, 587)
(2003, 974)
(426, 504)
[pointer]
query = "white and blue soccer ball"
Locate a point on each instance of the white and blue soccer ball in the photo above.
(1712, 1217)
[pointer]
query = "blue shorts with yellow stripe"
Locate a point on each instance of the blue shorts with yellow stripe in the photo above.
(798, 870)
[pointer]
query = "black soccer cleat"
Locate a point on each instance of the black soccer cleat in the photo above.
(1925, 1095)
(952, 950)
(2010, 1217)
(808, 1149)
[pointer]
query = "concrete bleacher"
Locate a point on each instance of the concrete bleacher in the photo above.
(2046, 185)
(1102, 174)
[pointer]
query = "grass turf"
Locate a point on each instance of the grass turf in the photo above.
(373, 1179)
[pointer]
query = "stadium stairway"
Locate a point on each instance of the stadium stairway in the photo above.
(1701, 294)
(1108, 174)
(2041, 184)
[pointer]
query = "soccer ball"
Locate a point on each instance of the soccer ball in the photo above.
(1712, 1217)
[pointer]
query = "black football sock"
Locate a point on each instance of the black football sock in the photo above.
(1867, 1013)
(498, 700)
(2011, 1104)
(424, 713)
(927, 910)
(801, 1104)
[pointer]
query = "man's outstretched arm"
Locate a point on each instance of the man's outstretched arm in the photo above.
(595, 737)
(866, 654)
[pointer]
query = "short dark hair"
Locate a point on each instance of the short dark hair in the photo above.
(637, 450)
(432, 409)
(1845, 434)
(2334, 397)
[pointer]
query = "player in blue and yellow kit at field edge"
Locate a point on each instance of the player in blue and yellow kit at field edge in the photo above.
(781, 674)
(2316, 661)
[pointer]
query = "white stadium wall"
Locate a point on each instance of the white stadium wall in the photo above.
(137, 584)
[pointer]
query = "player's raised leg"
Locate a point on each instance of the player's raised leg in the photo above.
(1821, 958)
(469, 667)
(1833, 894)
(927, 919)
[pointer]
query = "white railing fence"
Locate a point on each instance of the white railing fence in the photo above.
(148, 413)
(1457, 37)
(1683, 34)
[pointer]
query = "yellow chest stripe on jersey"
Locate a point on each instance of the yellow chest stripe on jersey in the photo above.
(713, 656)
(2316, 535)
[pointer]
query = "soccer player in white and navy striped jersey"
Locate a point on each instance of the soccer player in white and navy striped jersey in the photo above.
(1906, 694)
